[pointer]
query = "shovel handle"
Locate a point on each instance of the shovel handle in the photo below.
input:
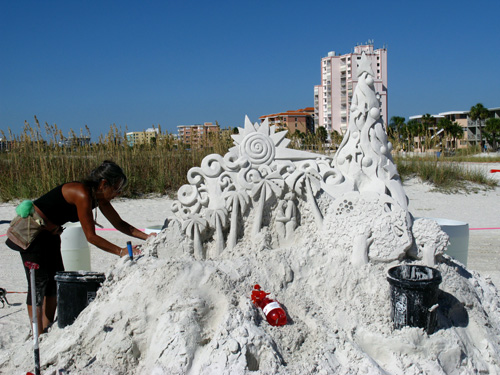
(32, 265)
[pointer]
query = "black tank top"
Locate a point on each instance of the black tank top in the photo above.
(55, 207)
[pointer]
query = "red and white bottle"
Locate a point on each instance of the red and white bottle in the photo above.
(273, 311)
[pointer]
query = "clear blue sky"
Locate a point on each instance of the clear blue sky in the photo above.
(139, 63)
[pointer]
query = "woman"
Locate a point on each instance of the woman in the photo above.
(73, 201)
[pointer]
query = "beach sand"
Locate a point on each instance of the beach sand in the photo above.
(479, 208)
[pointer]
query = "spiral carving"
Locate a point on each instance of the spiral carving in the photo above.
(187, 195)
(258, 148)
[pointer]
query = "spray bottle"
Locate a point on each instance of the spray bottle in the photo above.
(273, 311)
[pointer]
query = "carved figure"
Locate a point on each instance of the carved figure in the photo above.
(360, 247)
(430, 240)
(286, 216)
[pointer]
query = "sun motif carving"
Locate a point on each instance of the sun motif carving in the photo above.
(260, 144)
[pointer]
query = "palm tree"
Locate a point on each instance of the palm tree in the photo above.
(336, 138)
(396, 125)
(425, 130)
(193, 227)
(322, 134)
(218, 219)
(479, 113)
(492, 130)
(307, 180)
(271, 184)
(445, 125)
(236, 201)
(456, 132)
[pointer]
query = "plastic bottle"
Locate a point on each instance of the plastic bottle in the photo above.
(273, 311)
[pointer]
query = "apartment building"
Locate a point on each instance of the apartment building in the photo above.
(472, 135)
(5, 145)
(297, 120)
(333, 97)
(144, 137)
(197, 135)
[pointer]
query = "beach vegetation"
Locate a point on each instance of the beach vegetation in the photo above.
(492, 132)
(41, 157)
(445, 174)
(479, 113)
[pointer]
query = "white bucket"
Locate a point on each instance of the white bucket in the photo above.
(75, 249)
(153, 229)
(458, 231)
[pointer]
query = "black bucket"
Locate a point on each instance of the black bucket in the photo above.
(414, 296)
(75, 290)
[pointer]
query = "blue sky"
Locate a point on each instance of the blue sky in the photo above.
(139, 63)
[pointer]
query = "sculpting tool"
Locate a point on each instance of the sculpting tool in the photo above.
(34, 266)
(130, 252)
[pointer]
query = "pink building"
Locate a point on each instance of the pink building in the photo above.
(332, 99)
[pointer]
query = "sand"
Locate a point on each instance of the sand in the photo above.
(172, 314)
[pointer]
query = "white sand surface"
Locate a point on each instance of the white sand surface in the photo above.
(354, 337)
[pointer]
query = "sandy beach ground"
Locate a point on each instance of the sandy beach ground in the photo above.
(479, 208)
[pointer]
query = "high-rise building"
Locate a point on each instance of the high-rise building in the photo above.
(332, 99)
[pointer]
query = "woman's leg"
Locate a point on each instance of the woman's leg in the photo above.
(55, 265)
(44, 251)
(49, 310)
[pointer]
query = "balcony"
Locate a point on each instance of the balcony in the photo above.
(471, 136)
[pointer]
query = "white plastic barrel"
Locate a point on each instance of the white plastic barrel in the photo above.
(75, 248)
(153, 229)
(458, 231)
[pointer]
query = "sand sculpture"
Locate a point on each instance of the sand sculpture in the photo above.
(260, 179)
(320, 234)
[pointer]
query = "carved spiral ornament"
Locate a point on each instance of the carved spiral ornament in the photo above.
(258, 148)
(187, 195)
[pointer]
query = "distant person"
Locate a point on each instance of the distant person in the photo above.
(72, 202)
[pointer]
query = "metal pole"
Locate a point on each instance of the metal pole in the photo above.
(33, 266)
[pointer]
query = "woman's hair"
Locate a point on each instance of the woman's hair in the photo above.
(109, 171)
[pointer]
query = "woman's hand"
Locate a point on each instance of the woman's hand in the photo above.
(152, 234)
(135, 250)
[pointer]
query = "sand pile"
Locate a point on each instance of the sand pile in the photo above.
(320, 235)
(167, 313)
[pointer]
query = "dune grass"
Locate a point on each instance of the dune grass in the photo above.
(36, 162)
(445, 174)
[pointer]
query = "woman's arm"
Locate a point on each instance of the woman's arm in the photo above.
(75, 193)
(108, 210)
